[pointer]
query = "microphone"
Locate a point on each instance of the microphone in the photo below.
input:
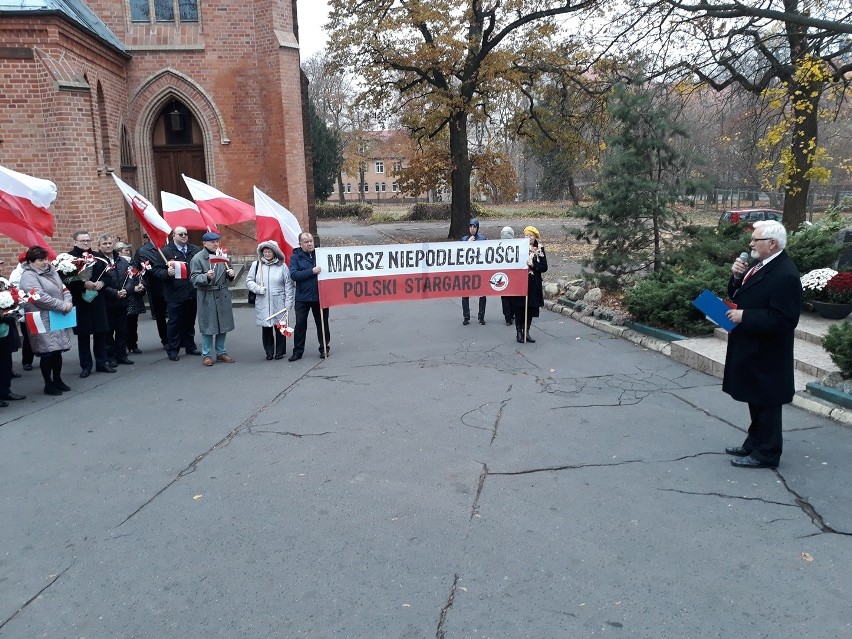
(744, 257)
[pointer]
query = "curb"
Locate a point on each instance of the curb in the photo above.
(802, 399)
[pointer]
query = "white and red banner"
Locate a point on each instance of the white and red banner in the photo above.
(274, 222)
(403, 272)
(178, 211)
(24, 215)
(181, 270)
(217, 206)
(218, 258)
(155, 226)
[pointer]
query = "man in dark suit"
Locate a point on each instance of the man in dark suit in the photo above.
(150, 253)
(181, 305)
(759, 361)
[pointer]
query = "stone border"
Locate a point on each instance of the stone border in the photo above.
(802, 399)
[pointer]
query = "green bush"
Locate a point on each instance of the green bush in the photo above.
(838, 343)
(327, 211)
(813, 247)
(430, 211)
(664, 299)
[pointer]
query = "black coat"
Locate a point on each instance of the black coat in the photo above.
(759, 361)
(115, 279)
(91, 316)
(148, 252)
(302, 272)
(175, 290)
(535, 290)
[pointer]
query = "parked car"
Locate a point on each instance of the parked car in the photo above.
(750, 215)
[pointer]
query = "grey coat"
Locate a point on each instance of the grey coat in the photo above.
(272, 285)
(53, 296)
(215, 309)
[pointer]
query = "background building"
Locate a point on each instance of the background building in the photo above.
(151, 89)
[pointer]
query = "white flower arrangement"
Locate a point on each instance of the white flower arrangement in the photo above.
(817, 279)
(65, 264)
(6, 300)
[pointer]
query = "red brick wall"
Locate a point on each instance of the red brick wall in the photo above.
(237, 70)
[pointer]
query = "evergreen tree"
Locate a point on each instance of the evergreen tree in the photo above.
(642, 174)
(327, 155)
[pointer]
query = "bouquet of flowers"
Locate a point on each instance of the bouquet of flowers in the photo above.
(72, 268)
(11, 299)
(285, 329)
(827, 285)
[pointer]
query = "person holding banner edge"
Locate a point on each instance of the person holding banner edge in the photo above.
(304, 271)
(39, 275)
(526, 308)
(473, 236)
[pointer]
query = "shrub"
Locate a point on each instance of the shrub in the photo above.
(430, 211)
(813, 247)
(328, 211)
(664, 299)
(838, 343)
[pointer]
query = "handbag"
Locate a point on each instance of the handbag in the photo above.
(252, 297)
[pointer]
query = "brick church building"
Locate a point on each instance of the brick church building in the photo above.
(150, 89)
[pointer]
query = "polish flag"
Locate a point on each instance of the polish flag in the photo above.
(35, 325)
(181, 272)
(178, 211)
(23, 209)
(27, 198)
(219, 259)
(217, 206)
(155, 226)
(274, 222)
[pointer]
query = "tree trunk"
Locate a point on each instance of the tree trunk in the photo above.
(341, 194)
(803, 148)
(459, 177)
(572, 189)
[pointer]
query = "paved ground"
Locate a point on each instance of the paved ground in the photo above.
(428, 480)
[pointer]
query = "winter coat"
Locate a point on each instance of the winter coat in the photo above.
(535, 289)
(272, 285)
(759, 360)
(135, 301)
(215, 309)
(148, 252)
(91, 315)
(302, 272)
(53, 296)
(175, 290)
(115, 279)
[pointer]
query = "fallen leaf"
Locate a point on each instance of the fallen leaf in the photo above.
(807, 556)
(197, 497)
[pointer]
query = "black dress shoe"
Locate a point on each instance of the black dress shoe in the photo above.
(738, 451)
(509, 321)
(125, 361)
(111, 363)
(174, 357)
(28, 367)
(482, 321)
(105, 369)
(13, 396)
(281, 356)
(62, 386)
(50, 389)
(520, 337)
(15, 375)
(751, 462)
(135, 351)
(195, 352)
(530, 339)
(83, 373)
(3, 404)
(268, 356)
(466, 321)
(294, 357)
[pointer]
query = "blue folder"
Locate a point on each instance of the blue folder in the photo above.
(715, 309)
(59, 320)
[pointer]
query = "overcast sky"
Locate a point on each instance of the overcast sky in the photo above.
(312, 15)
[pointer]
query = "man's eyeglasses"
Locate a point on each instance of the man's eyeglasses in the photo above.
(761, 239)
(181, 234)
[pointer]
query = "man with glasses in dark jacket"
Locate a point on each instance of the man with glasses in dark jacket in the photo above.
(181, 304)
(304, 271)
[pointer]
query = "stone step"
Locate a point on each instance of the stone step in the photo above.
(707, 354)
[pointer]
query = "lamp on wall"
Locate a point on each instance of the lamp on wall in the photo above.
(176, 120)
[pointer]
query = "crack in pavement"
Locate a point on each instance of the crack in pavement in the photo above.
(252, 431)
(809, 509)
(35, 596)
(548, 469)
(497, 421)
(441, 633)
(726, 496)
(222, 443)
(483, 475)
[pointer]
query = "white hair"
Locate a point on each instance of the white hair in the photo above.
(772, 230)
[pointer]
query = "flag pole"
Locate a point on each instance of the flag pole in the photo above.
(526, 316)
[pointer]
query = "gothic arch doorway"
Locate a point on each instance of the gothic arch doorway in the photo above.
(178, 146)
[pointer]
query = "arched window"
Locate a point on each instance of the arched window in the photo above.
(164, 10)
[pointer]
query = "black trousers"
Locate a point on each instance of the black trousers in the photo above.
(159, 311)
(117, 336)
(181, 326)
(132, 331)
(85, 346)
(301, 329)
(274, 342)
(765, 440)
(5, 367)
(27, 355)
(466, 308)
